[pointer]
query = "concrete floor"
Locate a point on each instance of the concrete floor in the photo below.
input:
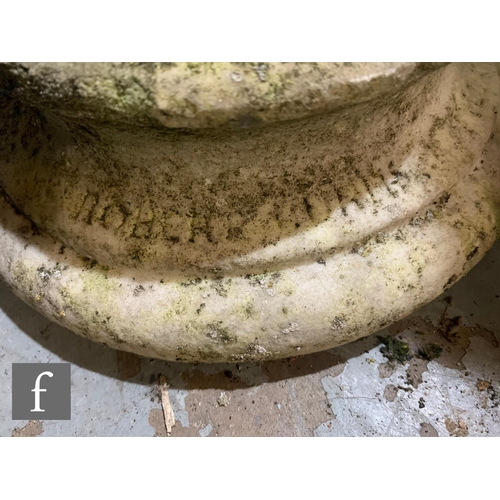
(354, 390)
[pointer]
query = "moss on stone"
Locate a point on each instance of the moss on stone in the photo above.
(394, 349)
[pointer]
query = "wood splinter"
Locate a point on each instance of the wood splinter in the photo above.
(168, 413)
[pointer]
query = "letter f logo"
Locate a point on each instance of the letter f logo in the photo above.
(37, 390)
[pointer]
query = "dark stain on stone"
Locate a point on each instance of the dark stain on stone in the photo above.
(449, 327)
(430, 351)
(128, 364)
(304, 365)
(385, 370)
(473, 253)
(415, 370)
(450, 282)
(449, 300)
(427, 430)
(223, 380)
(390, 392)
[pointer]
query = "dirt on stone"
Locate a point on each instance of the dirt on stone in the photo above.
(427, 430)
(457, 429)
(128, 364)
(390, 392)
(157, 421)
(32, 429)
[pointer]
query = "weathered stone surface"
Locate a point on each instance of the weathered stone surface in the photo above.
(197, 95)
(223, 244)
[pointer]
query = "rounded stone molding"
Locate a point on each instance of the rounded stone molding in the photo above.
(251, 242)
(200, 95)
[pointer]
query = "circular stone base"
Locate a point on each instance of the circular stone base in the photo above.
(233, 245)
